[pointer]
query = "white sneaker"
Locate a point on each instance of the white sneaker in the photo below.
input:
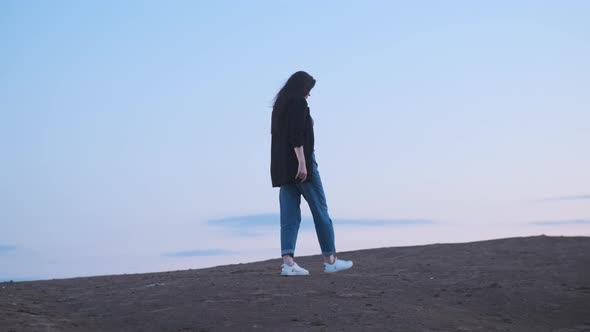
(294, 270)
(338, 265)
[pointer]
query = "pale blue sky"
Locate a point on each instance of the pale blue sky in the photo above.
(128, 127)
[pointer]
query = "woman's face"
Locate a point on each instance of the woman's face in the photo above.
(308, 94)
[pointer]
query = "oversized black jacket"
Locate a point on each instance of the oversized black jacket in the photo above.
(291, 127)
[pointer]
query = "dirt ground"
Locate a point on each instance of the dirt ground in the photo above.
(518, 284)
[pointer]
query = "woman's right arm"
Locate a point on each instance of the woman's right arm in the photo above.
(301, 169)
(297, 115)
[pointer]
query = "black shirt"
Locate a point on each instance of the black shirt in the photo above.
(292, 126)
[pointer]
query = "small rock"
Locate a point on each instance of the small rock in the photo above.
(318, 323)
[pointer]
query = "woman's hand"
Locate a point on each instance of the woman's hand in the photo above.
(301, 172)
(301, 169)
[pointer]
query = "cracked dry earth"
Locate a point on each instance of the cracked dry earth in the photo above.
(523, 284)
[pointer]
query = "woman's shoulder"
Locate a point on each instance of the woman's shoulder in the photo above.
(297, 102)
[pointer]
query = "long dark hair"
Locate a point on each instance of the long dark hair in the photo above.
(298, 85)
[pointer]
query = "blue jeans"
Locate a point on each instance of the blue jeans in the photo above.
(290, 201)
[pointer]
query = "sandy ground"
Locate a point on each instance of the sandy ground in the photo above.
(518, 284)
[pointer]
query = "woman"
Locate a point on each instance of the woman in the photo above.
(293, 168)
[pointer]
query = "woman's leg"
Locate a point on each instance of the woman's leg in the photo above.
(289, 201)
(313, 192)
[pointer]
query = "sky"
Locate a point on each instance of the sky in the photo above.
(135, 135)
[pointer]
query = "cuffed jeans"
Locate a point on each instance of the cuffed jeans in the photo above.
(290, 202)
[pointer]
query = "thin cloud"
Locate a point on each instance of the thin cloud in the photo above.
(4, 248)
(565, 198)
(248, 220)
(561, 222)
(257, 225)
(385, 222)
(249, 233)
(200, 253)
